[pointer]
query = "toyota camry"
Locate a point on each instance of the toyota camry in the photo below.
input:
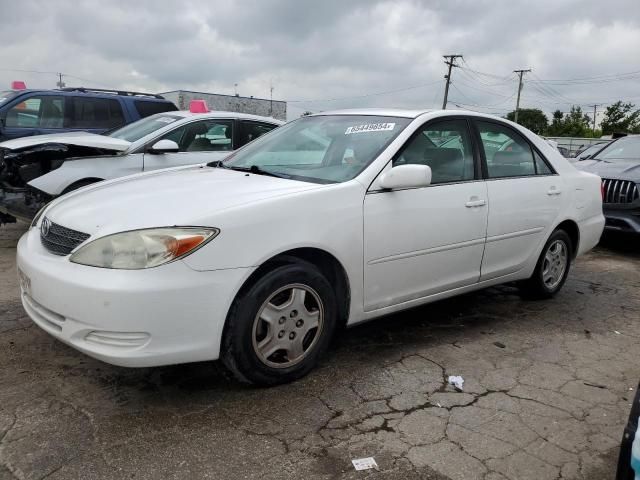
(331, 220)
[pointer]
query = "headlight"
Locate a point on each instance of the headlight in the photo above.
(143, 248)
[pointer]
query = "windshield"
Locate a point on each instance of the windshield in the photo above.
(136, 130)
(320, 149)
(625, 148)
(590, 150)
(7, 95)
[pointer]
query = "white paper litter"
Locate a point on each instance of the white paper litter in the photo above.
(457, 381)
(616, 332)
(364, 463)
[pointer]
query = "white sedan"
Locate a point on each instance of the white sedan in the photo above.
(332, 219)
(35, 169)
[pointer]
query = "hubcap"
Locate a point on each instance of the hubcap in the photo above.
(287, 326)
(555, 264)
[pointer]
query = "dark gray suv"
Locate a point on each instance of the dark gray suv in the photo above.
(618, 164)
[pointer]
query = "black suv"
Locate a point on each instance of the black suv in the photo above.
(38, 112)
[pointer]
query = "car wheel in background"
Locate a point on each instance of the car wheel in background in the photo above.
(279, 327)
(552, 268)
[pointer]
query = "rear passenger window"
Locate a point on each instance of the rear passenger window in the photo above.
(508, 154)
(249, 131)
(146, 108)
(87, 112)
(445, 147)
(541, 166)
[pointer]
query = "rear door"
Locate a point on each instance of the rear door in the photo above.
(201, 141)
(525, 197)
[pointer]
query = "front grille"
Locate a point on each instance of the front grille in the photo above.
(58, 239)
(619, 191)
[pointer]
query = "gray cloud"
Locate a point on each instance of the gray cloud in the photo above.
(331, 49)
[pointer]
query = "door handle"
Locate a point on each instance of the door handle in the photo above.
(475, 203)
(554, 191)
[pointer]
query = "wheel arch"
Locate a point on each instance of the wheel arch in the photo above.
(572, 229)
(80, 183)
(324, 261)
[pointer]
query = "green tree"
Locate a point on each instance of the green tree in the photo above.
(621, 118)
(531, 118)
(555, 129)
(573, 124)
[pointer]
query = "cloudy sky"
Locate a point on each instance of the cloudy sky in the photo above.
(327, 54)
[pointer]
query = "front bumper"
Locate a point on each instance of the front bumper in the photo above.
(623, 219)
(134, 318)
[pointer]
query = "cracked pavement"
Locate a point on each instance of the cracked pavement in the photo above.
(547, 392)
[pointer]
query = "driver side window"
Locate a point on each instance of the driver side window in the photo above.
(445, 147)
(203, 136)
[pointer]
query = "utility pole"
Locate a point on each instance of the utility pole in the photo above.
(451, 61)
(519, 72)
(271, 98)
(60, 83)
(595, 112)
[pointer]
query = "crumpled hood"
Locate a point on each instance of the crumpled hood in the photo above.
(183, 196)
(617, 169)
(83, 139)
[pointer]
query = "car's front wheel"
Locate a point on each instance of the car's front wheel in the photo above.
(279, 327)
(552, 268)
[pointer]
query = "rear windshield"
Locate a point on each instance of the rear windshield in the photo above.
(136, 130)
(146, 109)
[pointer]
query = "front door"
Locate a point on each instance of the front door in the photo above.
(421, 241)
(202, 141)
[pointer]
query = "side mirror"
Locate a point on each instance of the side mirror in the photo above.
(406, 176)
(164, 146)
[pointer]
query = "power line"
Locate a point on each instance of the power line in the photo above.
(414, 87)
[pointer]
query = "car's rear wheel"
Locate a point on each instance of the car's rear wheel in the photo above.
(279, 327)
(552, 268)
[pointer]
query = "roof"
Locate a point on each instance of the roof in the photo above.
(222, 114)
(381, 112)
(405, 113)
(93, 92)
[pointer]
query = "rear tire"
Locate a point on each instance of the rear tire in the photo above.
(552, 268)
(279, 327)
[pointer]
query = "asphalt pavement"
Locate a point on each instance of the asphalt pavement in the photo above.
(547, 391)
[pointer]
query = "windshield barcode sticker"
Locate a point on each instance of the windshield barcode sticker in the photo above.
(371, 127)
(165, 119)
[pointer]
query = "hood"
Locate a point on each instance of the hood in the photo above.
(616, 169)
(186, 196)
(82, 139)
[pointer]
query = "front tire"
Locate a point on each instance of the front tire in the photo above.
(552, 268)
(278, 328)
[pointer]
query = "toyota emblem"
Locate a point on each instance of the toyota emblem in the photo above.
(46, 225)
